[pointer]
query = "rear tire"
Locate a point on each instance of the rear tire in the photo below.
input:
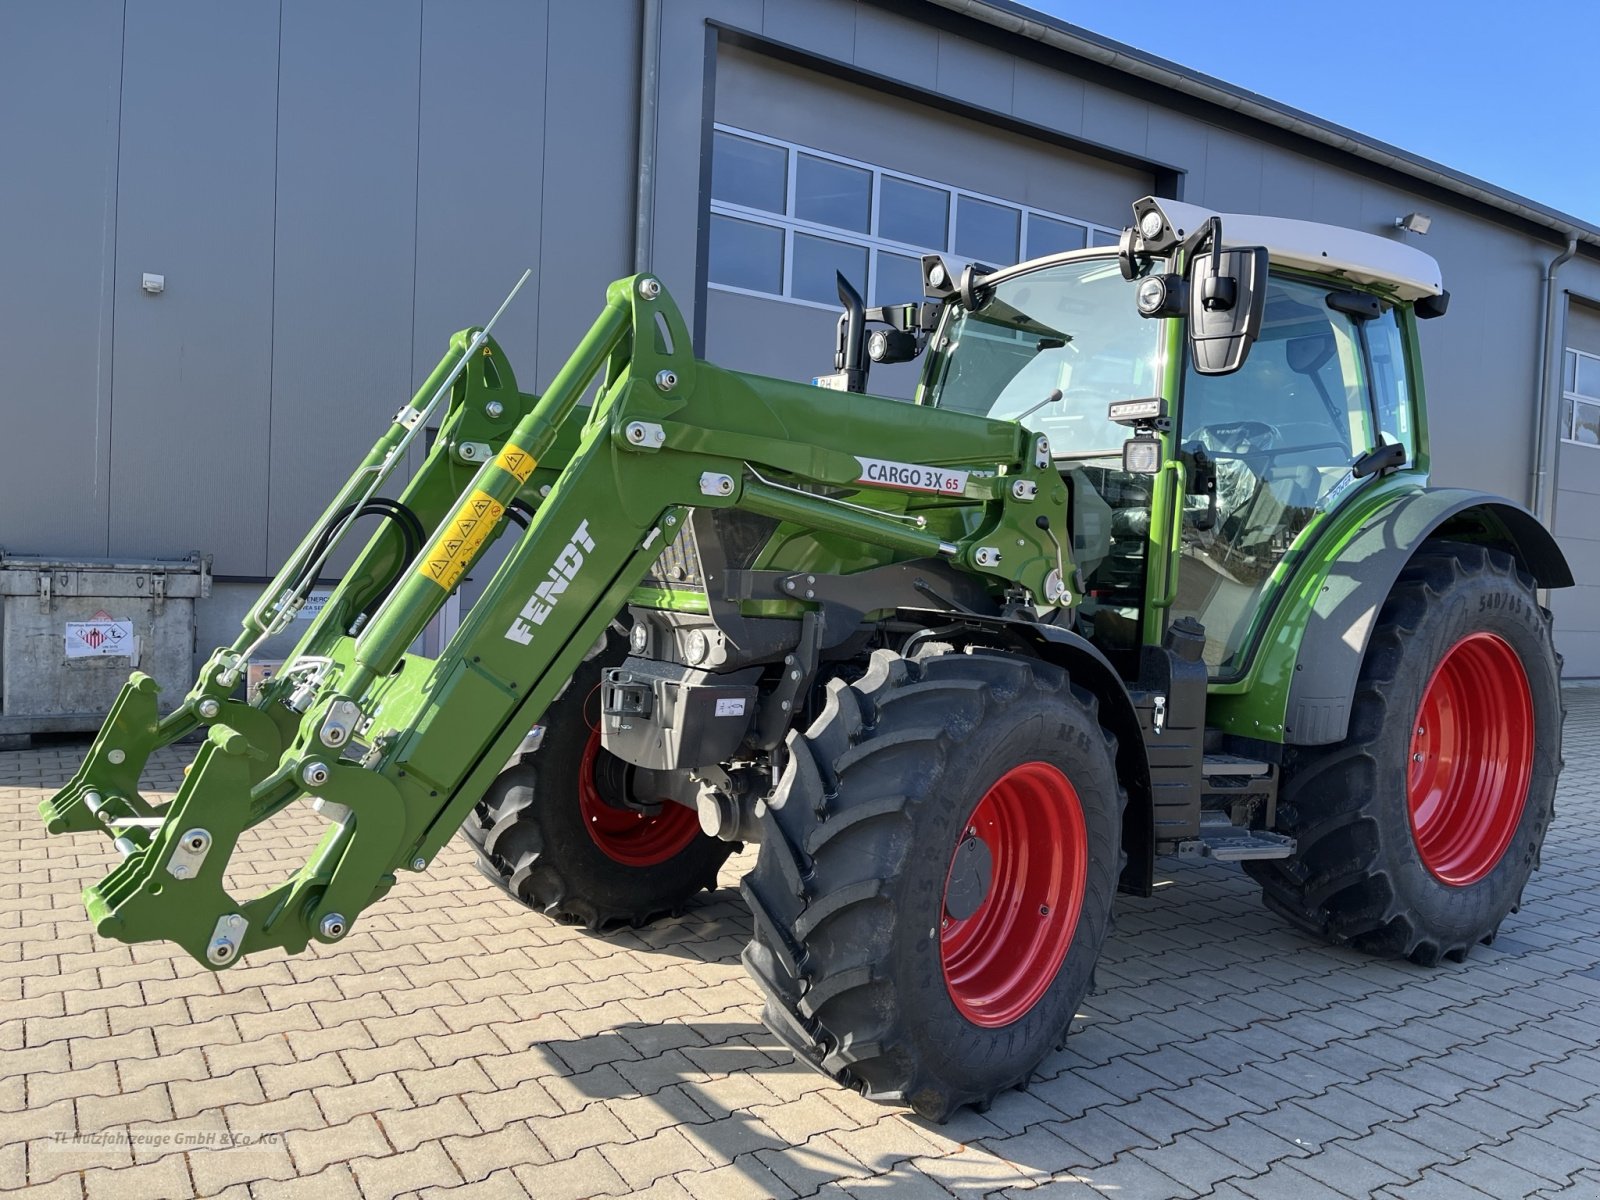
(1418, 832)
(546, 835)
(936, 877)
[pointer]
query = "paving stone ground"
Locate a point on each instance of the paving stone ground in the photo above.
(455, 1045)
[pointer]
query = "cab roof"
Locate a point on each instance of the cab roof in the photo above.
(1326, 249)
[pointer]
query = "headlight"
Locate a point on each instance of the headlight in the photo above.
(1152, 294)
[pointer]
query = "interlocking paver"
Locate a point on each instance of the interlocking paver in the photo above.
(455, 1046)
(315, 1148)
(584, 1174)
(479, 1155)
(408, 1128)
(385, 1178)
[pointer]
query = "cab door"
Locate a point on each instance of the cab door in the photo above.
(1279, 436)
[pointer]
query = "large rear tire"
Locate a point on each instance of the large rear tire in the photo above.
(552, 833)
(1418, 832)
(936, 877)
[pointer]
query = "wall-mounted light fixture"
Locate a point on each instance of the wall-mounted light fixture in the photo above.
(1413, 222)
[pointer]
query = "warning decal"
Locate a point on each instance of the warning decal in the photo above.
(515, 461)
(463, 534)
(100, 637)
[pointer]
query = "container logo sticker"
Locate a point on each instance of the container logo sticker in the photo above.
(101, 636)
(911, 477)
(463, 533)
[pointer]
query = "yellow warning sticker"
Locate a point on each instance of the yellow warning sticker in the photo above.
(515, 461)
(461, 536)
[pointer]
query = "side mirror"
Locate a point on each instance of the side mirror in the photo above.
(850, 341)
(1227, 294)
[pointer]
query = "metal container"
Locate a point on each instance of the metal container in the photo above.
(71, 630)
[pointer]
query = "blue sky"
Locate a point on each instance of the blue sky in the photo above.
(1501, 91)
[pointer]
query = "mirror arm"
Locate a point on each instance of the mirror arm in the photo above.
(850, 341)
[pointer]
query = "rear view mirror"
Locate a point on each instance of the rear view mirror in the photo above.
(1227, 293)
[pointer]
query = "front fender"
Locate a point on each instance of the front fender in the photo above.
(1091, 669)
(1358, 576)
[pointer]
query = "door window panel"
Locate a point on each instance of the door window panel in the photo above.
(749, 173)
(898, 280)
(987, 232)
(1282, 432)
(913, 213)
(745, 254)
(831, 193)
(1052, 237)
(815, 262)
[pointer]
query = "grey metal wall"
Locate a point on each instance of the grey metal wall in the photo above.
(331, 187)
(1577, 523)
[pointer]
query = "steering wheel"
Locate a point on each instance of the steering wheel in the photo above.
(1234, 432)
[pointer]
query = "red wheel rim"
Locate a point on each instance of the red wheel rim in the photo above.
(1001, 959)
(1471, 759)
(624, 835)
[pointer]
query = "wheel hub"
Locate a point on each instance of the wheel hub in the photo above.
(1471, 759)
(971, 871)
(626, 835)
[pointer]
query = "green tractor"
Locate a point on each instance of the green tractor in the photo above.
(1150, 566)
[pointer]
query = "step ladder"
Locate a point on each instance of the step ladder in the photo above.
(1219, 838)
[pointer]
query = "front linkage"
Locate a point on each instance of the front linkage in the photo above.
(393, 749)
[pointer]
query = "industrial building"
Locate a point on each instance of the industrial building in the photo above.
(238, 236)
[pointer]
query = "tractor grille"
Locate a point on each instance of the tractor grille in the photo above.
(679, 564)
(740, 535)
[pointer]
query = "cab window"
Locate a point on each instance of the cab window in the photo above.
(1390, 386)
(1280, 434)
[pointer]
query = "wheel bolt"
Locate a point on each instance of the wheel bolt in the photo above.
(1044, 910)
(1416, 758)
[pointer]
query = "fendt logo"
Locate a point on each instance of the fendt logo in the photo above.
(543, 601)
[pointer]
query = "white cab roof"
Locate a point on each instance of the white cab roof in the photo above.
(1359, 257)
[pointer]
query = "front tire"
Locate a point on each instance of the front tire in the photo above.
(551, 833)
(1418, 832)
(936, 877)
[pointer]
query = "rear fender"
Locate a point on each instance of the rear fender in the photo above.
(1341, 615)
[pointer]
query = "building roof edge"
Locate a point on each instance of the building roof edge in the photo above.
(1041, 27)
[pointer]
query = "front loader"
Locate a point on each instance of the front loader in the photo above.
(1150, 566)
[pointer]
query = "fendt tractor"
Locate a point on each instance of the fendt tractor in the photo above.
(1150, 566)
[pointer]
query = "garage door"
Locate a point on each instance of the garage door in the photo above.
(812, 175)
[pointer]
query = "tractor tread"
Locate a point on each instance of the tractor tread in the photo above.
(850, 794)
(1344, 882)
(532, 845)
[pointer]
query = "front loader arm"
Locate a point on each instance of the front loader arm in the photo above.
(392, 749)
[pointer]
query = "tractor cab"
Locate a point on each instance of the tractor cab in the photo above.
(1212, 389)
